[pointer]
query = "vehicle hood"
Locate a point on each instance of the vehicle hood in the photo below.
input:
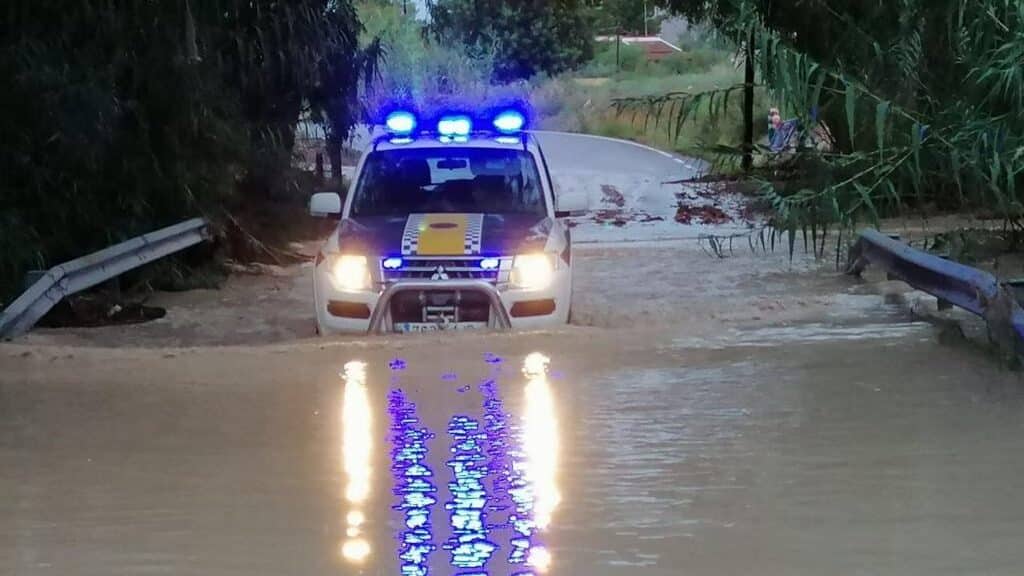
(444, 234)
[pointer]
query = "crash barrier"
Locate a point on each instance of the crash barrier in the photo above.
(973, 290)
(76, 275)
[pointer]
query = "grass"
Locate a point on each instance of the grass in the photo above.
(582, 103)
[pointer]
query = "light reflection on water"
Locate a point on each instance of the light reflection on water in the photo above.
(502, 477)
(469, 545)
(413, 485)
(540, 440)
(357, 446)
(535, 486)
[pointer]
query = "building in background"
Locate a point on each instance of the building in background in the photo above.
(655, 47)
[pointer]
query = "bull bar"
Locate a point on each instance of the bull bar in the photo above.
(380, 311)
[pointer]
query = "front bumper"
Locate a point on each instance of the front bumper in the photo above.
(499, 315)
(502, 303)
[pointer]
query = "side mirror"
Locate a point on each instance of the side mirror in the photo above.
(325, 205)
(569, 203)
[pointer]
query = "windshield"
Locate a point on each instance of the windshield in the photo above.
(449, 180)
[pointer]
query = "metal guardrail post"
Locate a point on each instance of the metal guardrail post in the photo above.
(952, 283)
(380, 311)
(85, 272)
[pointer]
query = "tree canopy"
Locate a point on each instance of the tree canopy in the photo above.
(123, 116)
(631, 17)
(525, 37)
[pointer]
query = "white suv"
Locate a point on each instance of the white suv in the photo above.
(446, 229)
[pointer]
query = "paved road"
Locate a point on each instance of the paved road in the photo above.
(604, 168)
(708, 416)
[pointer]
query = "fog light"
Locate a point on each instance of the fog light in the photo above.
(533, 271)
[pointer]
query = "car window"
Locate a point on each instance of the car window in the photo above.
(449, 180)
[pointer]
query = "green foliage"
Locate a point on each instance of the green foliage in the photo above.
(424, 73)
(923, 99)
(525, 37)
(584, 104)
(633, 62)
(121, 117)
(416, 68)
(625, 16)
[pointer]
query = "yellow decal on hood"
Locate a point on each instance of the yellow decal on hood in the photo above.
(442, 235)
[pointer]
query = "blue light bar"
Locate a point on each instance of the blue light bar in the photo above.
(490, 263)
(401, 122)
(455, 126)
(393, 263)
(509, 122)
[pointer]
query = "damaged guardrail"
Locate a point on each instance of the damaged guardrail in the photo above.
(968, 288)
(88, 271)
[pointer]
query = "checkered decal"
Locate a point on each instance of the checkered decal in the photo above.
(411, 235)
(474, 233)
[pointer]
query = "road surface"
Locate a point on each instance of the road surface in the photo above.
(704, 415)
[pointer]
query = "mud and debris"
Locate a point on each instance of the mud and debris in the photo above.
(611, 195)
(704, 214)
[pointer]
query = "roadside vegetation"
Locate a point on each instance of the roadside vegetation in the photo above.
(922, 100)
(430, 70)
(123, 117)
(120, 118)
(584, 101)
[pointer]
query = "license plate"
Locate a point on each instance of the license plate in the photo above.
(409, 327)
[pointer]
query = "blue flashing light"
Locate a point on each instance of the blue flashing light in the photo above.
(513, 140)
(490, 263)
(401, 122)
(402, 140)
(393, 263)
(509, 122)
(455, 126)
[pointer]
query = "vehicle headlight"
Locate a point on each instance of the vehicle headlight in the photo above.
(533, 271)
(350, 273)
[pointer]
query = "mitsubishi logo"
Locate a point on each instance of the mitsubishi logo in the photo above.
(440, 274)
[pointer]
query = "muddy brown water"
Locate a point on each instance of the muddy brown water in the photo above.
(707, 416)
(817, 448)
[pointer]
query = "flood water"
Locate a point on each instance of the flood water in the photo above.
(802, 450)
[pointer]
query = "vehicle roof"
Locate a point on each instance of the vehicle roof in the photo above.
(483, 140)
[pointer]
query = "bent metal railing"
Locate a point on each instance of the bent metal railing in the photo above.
(76, 275)
(968, 288)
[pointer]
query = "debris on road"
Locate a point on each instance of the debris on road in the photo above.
(611, 195)
(708, 215)
(100, 308)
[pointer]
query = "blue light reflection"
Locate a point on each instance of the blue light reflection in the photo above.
(468, 545)
(501, 477)
(413, 486)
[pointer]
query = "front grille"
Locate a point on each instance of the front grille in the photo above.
(448, 268)
(437, 305)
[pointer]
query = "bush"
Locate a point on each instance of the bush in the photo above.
(630, 59)
(526, 38)
(101, 143)
(689, 62)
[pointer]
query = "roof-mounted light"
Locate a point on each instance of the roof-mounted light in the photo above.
(453, 126)
(401, 122)
(509, 122)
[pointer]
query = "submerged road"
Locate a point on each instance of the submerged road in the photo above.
(745, 415)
